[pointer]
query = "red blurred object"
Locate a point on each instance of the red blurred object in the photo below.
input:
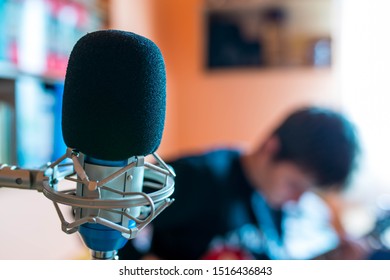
(227, 253)
(13, 53)
(56, 65)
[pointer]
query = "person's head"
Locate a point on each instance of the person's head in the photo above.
(312, 147)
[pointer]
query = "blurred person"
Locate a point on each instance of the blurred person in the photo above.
(229, 203)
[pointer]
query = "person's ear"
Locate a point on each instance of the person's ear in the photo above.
(271, 146)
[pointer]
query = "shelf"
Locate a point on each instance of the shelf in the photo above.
(10, 71)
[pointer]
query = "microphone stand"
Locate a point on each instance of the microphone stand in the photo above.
(159, 178)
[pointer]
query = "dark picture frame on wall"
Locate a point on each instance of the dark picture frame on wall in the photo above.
(295, 34)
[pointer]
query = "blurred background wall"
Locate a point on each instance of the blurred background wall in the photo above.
(207, 107)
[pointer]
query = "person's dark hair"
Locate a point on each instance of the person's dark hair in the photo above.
(321, 141)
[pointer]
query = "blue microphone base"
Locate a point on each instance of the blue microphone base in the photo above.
(103, 241)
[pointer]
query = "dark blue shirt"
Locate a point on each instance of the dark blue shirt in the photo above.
(215, 207)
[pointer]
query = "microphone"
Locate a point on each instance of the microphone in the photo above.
(112, 118)
(114, 90)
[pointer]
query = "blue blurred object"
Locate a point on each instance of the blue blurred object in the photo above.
(38, 122)
(308, 233)
(380, 255)
(322, 53)
(101, 238)
(59, 146)
(2, 31)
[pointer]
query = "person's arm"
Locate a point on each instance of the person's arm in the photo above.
(347, 250)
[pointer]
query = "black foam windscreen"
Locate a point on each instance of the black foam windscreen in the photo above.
(114, 96)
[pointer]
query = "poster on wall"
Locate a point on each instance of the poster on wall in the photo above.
(260, 34)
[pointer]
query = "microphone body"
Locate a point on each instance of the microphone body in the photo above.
(104, 241)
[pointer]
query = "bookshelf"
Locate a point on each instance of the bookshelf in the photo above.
(36, 38)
